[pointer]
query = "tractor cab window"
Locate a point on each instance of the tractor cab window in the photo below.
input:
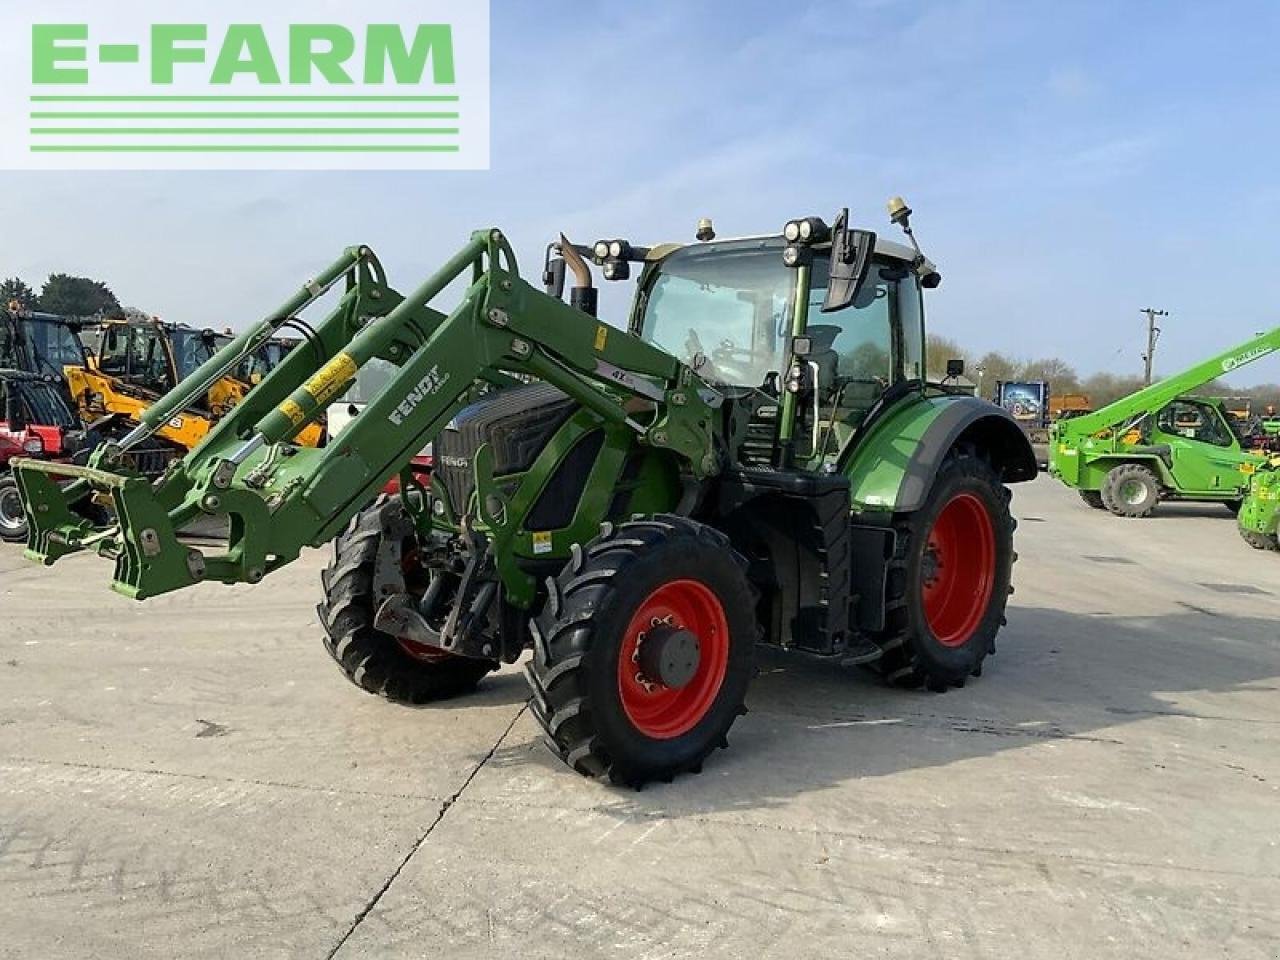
(56, 346)
(1195, 421)
(723, 309)
(191, 348)
(135, 355)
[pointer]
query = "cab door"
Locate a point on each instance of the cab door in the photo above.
(1205, 456)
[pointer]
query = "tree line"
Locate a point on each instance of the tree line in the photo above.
(1101, 388)
(62, 294)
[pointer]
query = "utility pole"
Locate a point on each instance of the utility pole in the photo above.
(1153, 334)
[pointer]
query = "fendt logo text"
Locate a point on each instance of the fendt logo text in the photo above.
(239, 85)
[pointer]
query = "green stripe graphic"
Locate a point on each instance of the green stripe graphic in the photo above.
(245, 148)
(211, 131)
(224, 115)
(243, 99)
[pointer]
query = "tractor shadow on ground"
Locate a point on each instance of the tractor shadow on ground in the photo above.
(1175, 510)
(1058, 676)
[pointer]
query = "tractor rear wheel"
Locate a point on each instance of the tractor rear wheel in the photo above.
(13, 517)
(396, 668)
(1131, 490)
(1093, 498)
(949, 580)
(644, 650)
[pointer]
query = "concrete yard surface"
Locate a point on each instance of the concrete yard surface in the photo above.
(192, 777)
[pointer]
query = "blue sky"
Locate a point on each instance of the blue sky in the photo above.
(1069, 163)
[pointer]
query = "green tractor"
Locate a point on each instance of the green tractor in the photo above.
(756, 457)
(1259, 519)
(1161, 443)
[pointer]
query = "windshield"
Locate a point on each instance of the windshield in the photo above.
(725, 309)
(262, 361)
(51, 346)
(191, 348)
(45, 406)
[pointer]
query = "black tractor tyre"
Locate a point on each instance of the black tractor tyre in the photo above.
(1122, 485)
(372, 660)
(1260, 541)
(13, 517)
(594, 717)
(959, 544)
(1093, 498)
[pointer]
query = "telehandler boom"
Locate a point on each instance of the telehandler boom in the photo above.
(1161, 443)
(638, 506)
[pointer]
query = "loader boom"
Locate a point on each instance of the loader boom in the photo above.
(279, 497)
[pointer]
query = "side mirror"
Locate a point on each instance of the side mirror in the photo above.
(955, 368)
(851, 252)
(553, 272)
(15, 414)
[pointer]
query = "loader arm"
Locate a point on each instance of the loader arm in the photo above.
(278, 497)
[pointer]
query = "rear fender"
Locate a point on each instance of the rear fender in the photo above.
(893, 468)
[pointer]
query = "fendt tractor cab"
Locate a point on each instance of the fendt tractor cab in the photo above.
(1162, 443)
(35, 421)
(754, 456)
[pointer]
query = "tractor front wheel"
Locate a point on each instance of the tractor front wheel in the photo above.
(399, 669)
(1131, 490)
(13, 517)
(644, 650)
(949, 580)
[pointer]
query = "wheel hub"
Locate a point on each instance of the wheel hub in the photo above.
(668, 655)
(1133, 493)
(674, 655)
(931, 569)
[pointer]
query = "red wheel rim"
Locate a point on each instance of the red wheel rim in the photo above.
(410, 565)
(659, 711)
(959, 569)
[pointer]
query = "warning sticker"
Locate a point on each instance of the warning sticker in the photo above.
(330, 380)
(294, 412)
(541, 542)
(602, 336)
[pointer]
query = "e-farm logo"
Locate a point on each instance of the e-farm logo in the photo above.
(144, 84)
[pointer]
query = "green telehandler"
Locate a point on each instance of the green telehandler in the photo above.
(1161, 443)
(1259, 519)
(638, 506)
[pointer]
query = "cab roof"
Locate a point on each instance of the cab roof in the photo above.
(885, 248)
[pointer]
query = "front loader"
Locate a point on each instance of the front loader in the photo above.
(756, 457)
(1161, 443)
